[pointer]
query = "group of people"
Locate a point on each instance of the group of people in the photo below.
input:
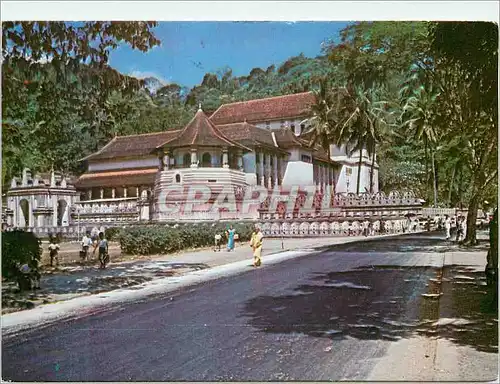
(461, 225)
(99, 243)
(232, 236)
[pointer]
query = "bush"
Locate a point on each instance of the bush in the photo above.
(18, 248)
(148, 240)
(113, 233)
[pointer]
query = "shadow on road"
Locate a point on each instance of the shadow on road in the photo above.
(385, 302)
(425, 242)
(92, 280)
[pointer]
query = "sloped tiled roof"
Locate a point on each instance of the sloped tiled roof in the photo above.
(200, 131)
(287, 139)
(133, 145)
(272, 108)
(131, 177)
(249, 134)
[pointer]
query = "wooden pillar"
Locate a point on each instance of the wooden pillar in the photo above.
(166, 161)
(113, 192)
(240, 160)
(225, 158)
(137, 192)
(125, 192)
(194, 158)
(102, 193)
(268, 170)
(275, 169)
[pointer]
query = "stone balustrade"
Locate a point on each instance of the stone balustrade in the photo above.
(337, 228)
(121, 210)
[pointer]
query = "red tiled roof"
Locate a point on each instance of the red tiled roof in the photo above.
(249, 134)
(272, 108)
(133, 145)
(200, 131)
(133, 177)
(287, 139)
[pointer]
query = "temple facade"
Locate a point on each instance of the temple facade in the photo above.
(261, 142)
(257, 142)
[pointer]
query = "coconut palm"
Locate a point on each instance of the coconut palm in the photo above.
(417, 116)
(365, 117)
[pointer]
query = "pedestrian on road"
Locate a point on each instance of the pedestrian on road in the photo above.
(86, 243)
(103, 251)
(218, 241)
(53, 251)
(256, 244)
(447, 226)
(230, 238)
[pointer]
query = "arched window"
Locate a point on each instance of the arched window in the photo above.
(177, 178)
(186, 160)
(206, 160)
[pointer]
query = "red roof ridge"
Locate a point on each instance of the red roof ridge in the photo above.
(100, 150)
(214, 132)
(147, 134)
(263, 98)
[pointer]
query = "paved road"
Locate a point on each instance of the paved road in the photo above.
(337, 315)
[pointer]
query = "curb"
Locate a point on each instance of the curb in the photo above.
(45, 315)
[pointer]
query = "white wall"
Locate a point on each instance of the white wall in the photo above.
(123, 164)
(341, 186)
(249, 162)
(278, 124)
(298, 173)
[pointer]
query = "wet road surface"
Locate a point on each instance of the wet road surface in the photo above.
(327, 316)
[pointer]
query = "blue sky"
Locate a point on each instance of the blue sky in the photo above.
(191, 49)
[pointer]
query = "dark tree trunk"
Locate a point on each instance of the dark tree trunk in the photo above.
(372, 168)
(452, 182)
(359, 171)
(434, 180)
(470, 237)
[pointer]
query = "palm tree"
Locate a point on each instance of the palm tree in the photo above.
(418, 117)
(322, 124)
(365, 119)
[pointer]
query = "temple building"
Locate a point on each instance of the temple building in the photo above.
(263, 139)
(261, 142)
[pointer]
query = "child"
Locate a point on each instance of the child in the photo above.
(86, 243)
(218, 241)
(54, 251)
(103, 251)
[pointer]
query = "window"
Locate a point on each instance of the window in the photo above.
(186, 160)
(206, 160)
(177, 178)
(306, 158)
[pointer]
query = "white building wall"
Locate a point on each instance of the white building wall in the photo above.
(342, 182)
(278, 124)
(249, 162)
(123, 164)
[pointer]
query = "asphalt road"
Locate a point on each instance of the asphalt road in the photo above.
(327, 316)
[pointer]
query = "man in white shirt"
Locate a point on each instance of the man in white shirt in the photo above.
(447, 226)
(86, 243)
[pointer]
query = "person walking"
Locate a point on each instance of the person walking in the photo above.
(230, 238)
(53, 251)
(257, 247)
(103, 251)
(86, 243)
(447, 226)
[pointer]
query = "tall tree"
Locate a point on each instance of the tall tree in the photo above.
(466, 63)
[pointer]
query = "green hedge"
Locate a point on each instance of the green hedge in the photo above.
(18, 248)
(154, 239)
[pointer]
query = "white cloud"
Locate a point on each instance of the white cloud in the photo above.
(145, 74)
